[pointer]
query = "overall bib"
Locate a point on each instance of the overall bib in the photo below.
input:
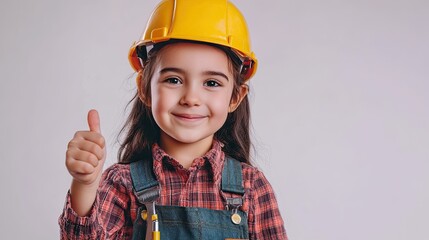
(187, 223)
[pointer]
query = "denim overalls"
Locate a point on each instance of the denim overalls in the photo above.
(187, 223)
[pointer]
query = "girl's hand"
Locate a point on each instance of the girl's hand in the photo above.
(86, 153)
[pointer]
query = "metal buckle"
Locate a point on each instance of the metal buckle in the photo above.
(149, 195)
(233, 203)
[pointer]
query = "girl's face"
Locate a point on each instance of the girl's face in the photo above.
(191, 90)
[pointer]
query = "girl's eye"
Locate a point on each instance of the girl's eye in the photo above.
(173, 80)
(211, 83)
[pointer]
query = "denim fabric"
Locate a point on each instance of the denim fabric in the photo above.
(194, 223)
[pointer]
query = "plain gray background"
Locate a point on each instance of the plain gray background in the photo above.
(340, 108)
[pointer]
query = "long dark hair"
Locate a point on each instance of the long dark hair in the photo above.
(141, 130)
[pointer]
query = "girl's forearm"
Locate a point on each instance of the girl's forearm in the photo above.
(82, 197)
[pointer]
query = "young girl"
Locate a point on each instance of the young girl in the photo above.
(184, 170)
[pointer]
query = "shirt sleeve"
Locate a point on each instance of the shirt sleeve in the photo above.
(108, 215)
(265, 221)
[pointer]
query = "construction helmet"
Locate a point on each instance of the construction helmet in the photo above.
(211, 21)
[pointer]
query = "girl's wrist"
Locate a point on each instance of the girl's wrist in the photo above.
(84, 186)
(82, 196)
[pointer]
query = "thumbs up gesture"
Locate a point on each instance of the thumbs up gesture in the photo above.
(86, 153)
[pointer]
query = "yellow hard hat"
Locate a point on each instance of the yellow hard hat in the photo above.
(212, 21)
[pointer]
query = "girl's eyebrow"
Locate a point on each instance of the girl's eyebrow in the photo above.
(215, 73)
(181, 71)
(172, 69)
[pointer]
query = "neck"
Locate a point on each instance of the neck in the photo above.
(185, 153)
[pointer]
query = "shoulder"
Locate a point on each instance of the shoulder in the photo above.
(251, 172)
(117, 174)
(117, 170)
(254, 180)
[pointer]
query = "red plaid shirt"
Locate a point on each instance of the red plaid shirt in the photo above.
(115, 207)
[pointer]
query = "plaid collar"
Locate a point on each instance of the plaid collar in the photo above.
(213, 159)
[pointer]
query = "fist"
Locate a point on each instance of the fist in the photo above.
(86, 152)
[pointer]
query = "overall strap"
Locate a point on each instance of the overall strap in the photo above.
(232, 179)
(232, 182)
(145, 184)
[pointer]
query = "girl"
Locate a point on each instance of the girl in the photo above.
(184, 170)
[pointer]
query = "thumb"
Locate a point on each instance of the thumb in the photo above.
(94, 121)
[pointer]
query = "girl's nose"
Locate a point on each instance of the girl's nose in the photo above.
(190, 97)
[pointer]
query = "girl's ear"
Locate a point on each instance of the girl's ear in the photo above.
(235, 101)
(140, 90)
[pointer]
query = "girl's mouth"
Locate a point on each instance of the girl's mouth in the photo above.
(189, 117)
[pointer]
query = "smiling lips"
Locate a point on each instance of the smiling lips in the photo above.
(189, 117)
